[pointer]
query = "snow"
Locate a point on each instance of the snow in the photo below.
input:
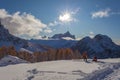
(23, 49)
(113, 60)
(105, 69)
(7, 60)
(114, 76)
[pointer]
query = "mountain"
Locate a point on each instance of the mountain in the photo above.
(25, 50)
(7, 39)
(60, 43)
(36, 47)
(65, 40)
(66, 35)
(101, 45)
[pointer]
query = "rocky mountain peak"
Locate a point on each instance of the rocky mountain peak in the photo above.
(101, 37)
(67, 33)
(61, 36)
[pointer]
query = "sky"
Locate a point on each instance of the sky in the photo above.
(35, 18)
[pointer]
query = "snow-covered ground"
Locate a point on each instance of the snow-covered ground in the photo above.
(8, 60)
(105, 69)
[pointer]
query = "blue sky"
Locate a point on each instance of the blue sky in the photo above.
(84, 17)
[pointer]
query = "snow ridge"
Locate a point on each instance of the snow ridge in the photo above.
(103, 74)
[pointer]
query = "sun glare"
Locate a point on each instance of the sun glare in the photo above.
(66, 17)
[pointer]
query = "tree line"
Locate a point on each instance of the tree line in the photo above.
(49, 55)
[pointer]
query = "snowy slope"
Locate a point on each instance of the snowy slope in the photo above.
(108, 69)
(25, 50)
(7, 60)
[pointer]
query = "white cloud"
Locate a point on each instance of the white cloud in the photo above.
(91, 34)
(48, 30)
(117, 42)
(3, 13)
(75, 11)
(22, 24)
(55, 23)
(79, 38)
(101, 13)
(67, 38)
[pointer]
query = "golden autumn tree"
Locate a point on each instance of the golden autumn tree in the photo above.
(77, 54)
(51, 53)
(68, 53)
(12, 51)
(59, 56)
(3, 51)
(37, 56)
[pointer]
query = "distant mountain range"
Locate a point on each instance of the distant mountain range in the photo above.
(59, 43)
(62, 40)
(101, 45)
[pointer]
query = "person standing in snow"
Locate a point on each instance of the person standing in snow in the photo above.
(84, 56)
(95, 59)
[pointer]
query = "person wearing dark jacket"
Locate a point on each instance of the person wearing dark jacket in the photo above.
(84, 56)
(95, 59)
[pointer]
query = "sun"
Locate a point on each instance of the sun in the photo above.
(65, 17)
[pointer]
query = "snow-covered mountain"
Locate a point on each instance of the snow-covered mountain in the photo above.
(101, 45)
(7, 39)
(65, 40)
(66, 35)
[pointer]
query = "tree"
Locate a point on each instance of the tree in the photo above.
(12, 51)
(36, 56)
(3, 51)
